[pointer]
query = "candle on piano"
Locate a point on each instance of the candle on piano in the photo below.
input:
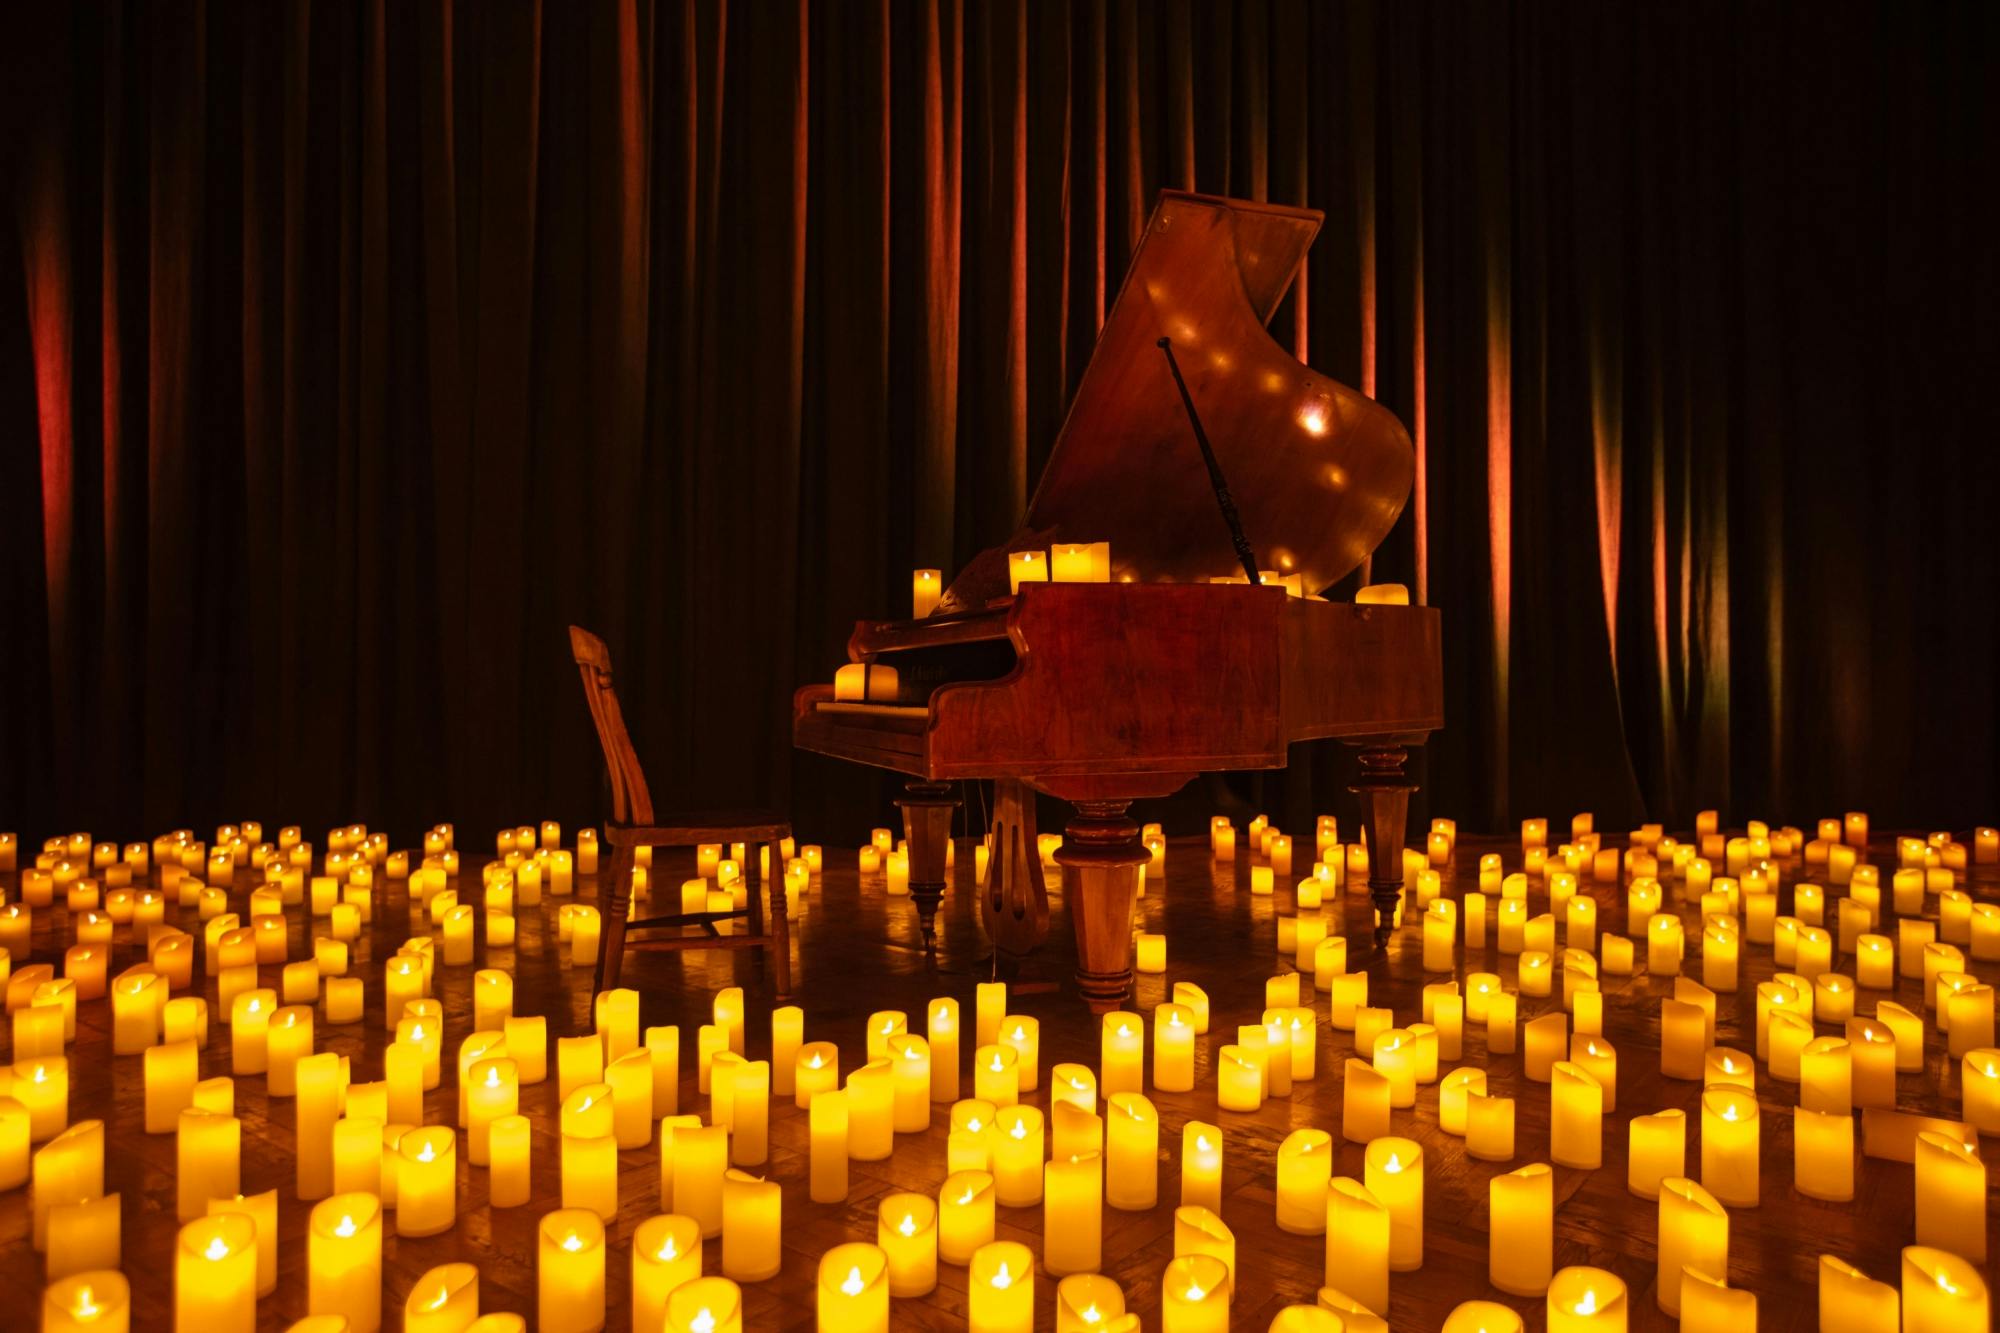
(926, 589)
(1087, 562)
(1026, 567)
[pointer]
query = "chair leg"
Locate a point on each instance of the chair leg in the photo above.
(614, 888)
(781, 926)
(753, 887)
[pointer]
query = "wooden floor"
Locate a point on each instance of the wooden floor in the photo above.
(856, 951)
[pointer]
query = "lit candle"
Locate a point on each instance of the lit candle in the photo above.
(344, 1260)
(1951, 1196)
(965, 1215)
(1000, 1289)
(996, 1075)
(1823, 1153)
(1942, 1292)
(942, 1026)
(1073, 1215)
(1852, 1302)
(215, 1274)
(1657, 1150)
(493, 1092)
(1489, 1127)
(910, 1066)
(1194, 1295)
(1173, 1048)
(41, 1086)
(1122, 1054)
(1026, 567)
(1395, 1175)
(1521, 1230)
(209, 1159)
(1693, 1233)
(1826, 1075)
(853, 1290)
(1088, 1303)
(751, 1225)
(1239, 1079)
(990, 1009)
(1586, 1300)
(926, 588)
(1547, 1042)
(95, 1301)
(570, 1280)
(1358, 1230)
(1729, 1145)
(871, 1111)
(1201, 1166)
(1305, 1165)
(1023, 1036)
(426, 1181)
(906, 1231)
(1132, 1152)
(1364, 1103)
(1979, 1089)
(1576, 1117)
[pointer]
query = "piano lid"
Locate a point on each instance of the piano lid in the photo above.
(1318, 471)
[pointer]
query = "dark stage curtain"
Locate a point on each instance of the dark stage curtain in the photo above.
(348, 351)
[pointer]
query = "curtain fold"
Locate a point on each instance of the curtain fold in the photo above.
(350, 349)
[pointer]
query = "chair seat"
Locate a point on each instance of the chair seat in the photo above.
(687, 829)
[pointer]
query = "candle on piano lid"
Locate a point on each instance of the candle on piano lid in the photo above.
(1085, 562)
(1383, 594)
(926, 589)
(1026, 567)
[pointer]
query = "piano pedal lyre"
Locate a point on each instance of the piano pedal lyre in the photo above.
(1015, 906)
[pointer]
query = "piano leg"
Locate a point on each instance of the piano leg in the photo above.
(1100, 859)
(1385, 800)
(1015, 903)
(927, 809)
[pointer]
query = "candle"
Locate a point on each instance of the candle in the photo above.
(209, 1155)
(666, 1253)
(1305, 1165)
(41, 1086)
(1073, 1214)
(1908, 1031)
(1023, 1036)
(1979, 1089)
(1693, 1233)
(344, 1260)
(1729, 1145)
(910, 1073)
(871, 1111)
(444, 1300)
(827, 1120)
(1711, 1304)
(1586, 1300)
(493, 1092)
(1122, 1054)
(1358, 1227)
(1576, 1117)
(1132, 1151)
(1088, 1303)
(996, 1075)
(1657, 1150)
(570, 1283)
(942, 1026)
(1823, 1153)
(1000, 1289)
(853, 1290)
(1364, 1103)
(1018, 1138)
(1521, 1230)
(1826, 1075)
(965, 1215)
(1547, 1042)
(1951, 1196)
(751, 1225)
(1395, 1175)
(1852, 1302)
(1026, 567)
(1199, 1231)
(1201, 1166)
(95, 1301)
(1239, 1078)
(1489, 1127)
(926, 588)
(426, 1181)
(1942, 1292)
(1194, 1295)
(1173, 1048)
(906, 1231)
(989, 1009)
(215, 1274)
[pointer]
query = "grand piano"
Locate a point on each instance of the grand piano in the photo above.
(1103, 693)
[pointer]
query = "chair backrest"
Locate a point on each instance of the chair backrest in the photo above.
(631, 802)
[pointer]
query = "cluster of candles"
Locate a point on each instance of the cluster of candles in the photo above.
(366, 1161)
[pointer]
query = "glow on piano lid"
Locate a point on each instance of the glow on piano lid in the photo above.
(1317, 470)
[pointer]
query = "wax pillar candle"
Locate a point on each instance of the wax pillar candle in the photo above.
(751, 1226)
(996, 1075)
(1942, 1292)
(444, 1300)
(1730, 1132)
(906, 1231)
(1364, 1103)
(1073, 1215)
(1951, 1196)
(344, 1260)
(1693, 1232)
(1395, 1175)
(871, 1111)
(1576, 1117)
(426, 1181)
(1357, 1242)
(215, 1275)
(853, 1290)
(1088, 1303)
(1489, 1127)
(1582, 1299)
(1000, 1289)
(1395, 1061)
(1122, 1054)
(666, 1254)
(570, 1279)
(94, 1301)
(1547, 1042)
(209, 1157)
(1521, 1230)
(965, 1215)
(493, 1093)
(1194, 1295)
(1979, 1089)
(1501, 1032)
(1347, 994)
(1710, 1305)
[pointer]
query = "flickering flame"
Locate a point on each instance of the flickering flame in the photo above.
(1729, 1113)
(908, 1226)
(1020, 1033)
(889, 1025)
(668, 1251)
(1202, 1144)
(427, 1154)
(437, 1302)
(1195, 1293)
(970, 1195)
(1393, 1165)
(492, 1078)
(346, 1227)
(703, 1321)
(815, 1061)
(1090, 1316)
(998, 1064)
(1020, 1130)
(912, 1053)
(86, 1306)
(1588, 1305)
(218, 1248)
(41, 1074)
(1174, 1019)
(853, 1285)
(974, 1125)
(572, 1242)
(1003, 1278)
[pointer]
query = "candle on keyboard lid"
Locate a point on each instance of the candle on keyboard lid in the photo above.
(1383, 594)
(860, 682)
(1026, 567)
(926, 588)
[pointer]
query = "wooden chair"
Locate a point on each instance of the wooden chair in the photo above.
(634, 825)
